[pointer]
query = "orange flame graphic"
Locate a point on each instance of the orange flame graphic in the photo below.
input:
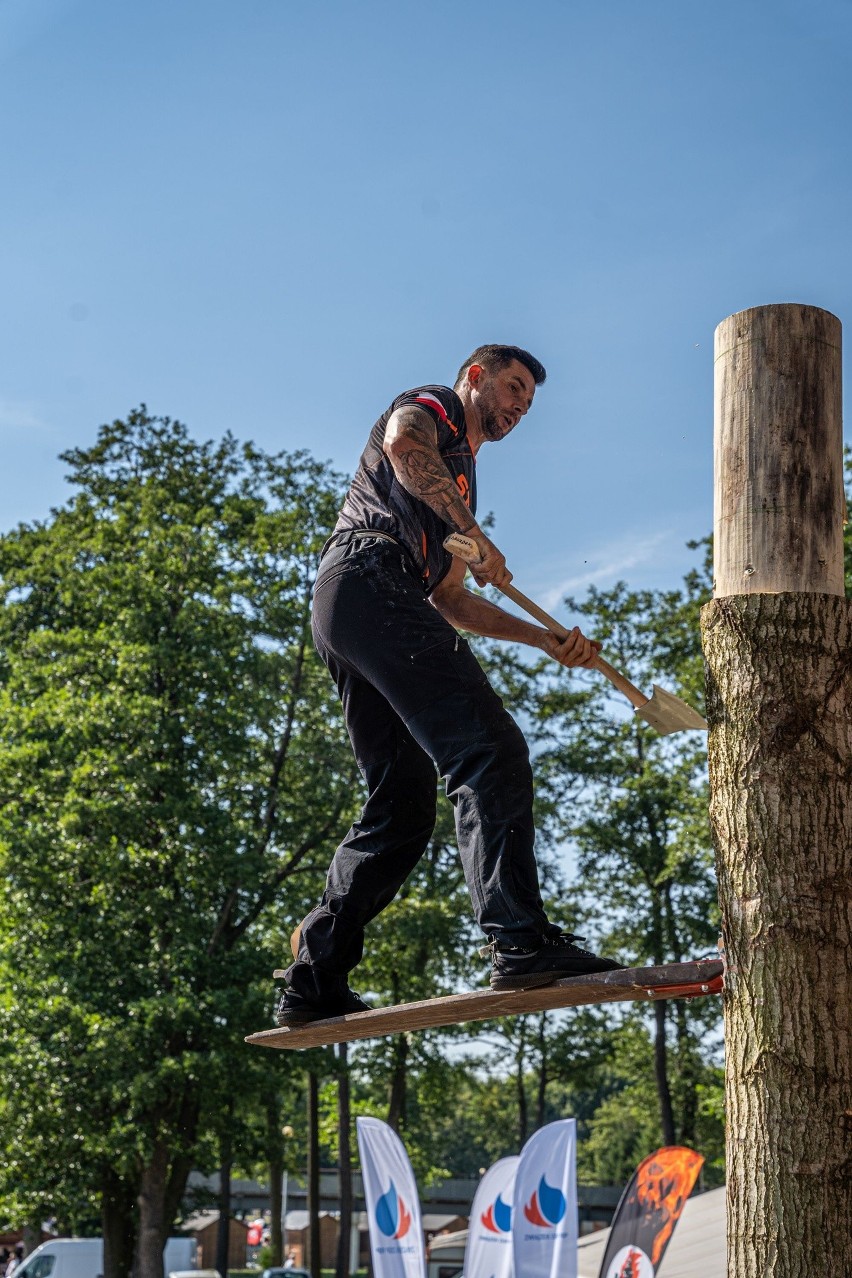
(663, 1184)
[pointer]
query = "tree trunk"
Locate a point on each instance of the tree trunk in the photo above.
(153, 1226)
(520, 1080)
(224, 1215)
(181, 1160)
(344, 1141)
(31, 1237)
(661, 1073)
(661, 1053)
(276, 1207)
(399, 1079)
(275, 1162)
(118, 1226)
(313, 1176)
(779, 698)
(687, 1078)
(541, 1096)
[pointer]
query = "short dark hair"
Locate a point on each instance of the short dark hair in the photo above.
(494, 357)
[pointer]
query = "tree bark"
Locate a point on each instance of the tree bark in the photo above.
(687, 1079)
(31, 1237)
(541, 1091)
(779, 698)
(399, 1083)
(661, 1073)
(313, 1176)
(344, 1129)
(276, 1206)
(661, 1050)
(224, 1224)
(275, 1162)
(153, 1226)
(118, 1226)
(520, 1081)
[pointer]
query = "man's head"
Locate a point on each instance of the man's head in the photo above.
(496, 385)
(492, 358)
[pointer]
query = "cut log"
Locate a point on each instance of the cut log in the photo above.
(779, 505)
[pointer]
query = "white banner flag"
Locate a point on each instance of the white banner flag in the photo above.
(489, 1235)
(544, 1226)
(393, 1205)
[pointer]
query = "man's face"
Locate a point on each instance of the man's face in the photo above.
(504, 396)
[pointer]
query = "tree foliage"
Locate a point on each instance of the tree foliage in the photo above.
(172, 762)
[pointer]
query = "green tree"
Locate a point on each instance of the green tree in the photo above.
(174, 768)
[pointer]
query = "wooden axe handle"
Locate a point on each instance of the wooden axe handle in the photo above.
(467, 549)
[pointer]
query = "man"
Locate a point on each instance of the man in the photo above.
(388, 603)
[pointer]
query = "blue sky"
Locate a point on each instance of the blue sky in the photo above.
(270, 217)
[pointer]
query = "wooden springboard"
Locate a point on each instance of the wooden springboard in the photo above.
(644, 984)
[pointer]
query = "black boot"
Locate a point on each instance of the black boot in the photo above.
(293, 1009)
(515, 968)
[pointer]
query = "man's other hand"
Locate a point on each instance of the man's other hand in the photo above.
(574, 650)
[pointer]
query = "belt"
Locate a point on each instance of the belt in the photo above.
(357, 534)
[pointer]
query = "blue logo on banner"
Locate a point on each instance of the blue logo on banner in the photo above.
(392, 1215)
(547, 1205)
(498, 1217)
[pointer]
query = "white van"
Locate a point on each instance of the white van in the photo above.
(84, 1258)
(445, 1255)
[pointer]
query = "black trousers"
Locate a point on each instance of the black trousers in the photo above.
(414, 697)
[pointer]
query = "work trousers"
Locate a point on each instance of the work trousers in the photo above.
(414, 698)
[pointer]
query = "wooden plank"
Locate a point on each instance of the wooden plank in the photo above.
(644, 984)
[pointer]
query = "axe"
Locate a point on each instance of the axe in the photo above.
(662, 710)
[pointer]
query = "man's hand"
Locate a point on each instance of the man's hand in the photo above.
(574, 650)
(490, 568)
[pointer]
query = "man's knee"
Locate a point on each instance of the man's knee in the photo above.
(417, 794)
(505, 754)
(511, 743)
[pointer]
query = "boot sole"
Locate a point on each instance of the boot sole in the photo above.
(284, 1022)
(289, 1020)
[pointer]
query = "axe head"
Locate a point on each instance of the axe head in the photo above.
(667, 713)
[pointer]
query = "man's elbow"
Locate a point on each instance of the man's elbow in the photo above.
(394, 447)
(445, 600)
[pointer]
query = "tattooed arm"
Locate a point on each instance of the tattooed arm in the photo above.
(411, 447)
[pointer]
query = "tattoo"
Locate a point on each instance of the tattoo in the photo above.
(420, 468)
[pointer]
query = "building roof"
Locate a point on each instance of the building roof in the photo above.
(295, 1221)
(203, 1219)
(697, 1249)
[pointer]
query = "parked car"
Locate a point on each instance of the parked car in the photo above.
(84, 1258)
(445, 1258)
(194, 1273)
(281, 1272)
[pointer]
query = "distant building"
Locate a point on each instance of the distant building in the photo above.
(204, 1227)
(298, 1225)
